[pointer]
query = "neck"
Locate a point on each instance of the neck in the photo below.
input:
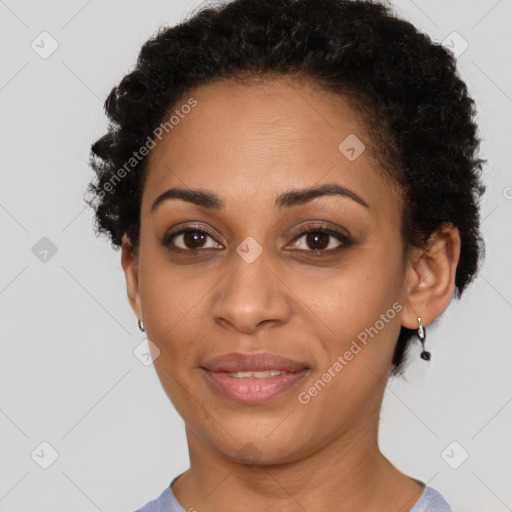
(347, 473)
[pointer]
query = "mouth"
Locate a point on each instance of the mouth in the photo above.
(255, 378)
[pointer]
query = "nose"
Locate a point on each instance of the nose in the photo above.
(251, 295)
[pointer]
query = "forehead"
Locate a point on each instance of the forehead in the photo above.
(256, 139)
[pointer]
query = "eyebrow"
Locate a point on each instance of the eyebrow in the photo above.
(208, 199)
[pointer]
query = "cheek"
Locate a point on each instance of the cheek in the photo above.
(172, 299)
(354, 296)
(174, 316)
(362, 316)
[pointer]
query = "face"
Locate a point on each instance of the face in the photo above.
(257, 266)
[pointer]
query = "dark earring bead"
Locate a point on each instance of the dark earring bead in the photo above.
(425, 355)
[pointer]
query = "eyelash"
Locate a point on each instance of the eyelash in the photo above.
(344, 240)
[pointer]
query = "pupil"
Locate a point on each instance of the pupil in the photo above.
(316, 239)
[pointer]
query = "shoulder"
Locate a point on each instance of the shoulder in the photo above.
(164, 503)
(431, 501)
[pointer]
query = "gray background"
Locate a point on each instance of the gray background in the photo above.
(68, 374)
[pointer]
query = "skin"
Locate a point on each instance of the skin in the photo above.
(248, 143)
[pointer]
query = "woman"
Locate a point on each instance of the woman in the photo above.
(294, 186)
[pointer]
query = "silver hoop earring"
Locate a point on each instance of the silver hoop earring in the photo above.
(141, 325)
(422, 336)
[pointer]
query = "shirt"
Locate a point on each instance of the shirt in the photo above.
(430, 501)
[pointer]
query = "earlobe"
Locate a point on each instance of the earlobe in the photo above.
(129, 262)
(431, 277)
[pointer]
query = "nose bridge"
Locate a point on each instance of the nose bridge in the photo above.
(251, 293)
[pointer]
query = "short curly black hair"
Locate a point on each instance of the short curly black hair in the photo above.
(401, 81)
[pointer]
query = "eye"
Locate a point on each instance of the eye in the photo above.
(189, 239)
(316, 240)
(321, 239)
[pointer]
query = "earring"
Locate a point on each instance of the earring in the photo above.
(422, 336)
(141, 325)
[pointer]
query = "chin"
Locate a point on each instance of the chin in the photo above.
(262, 443)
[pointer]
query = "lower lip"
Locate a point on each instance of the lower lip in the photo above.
(252, 391)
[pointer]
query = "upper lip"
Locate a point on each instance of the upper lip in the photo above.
(258, 361)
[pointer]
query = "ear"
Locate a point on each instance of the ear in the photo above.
(129, 262)
(431, 277)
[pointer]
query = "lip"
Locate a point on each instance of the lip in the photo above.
(251, 390)
(256, 361)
